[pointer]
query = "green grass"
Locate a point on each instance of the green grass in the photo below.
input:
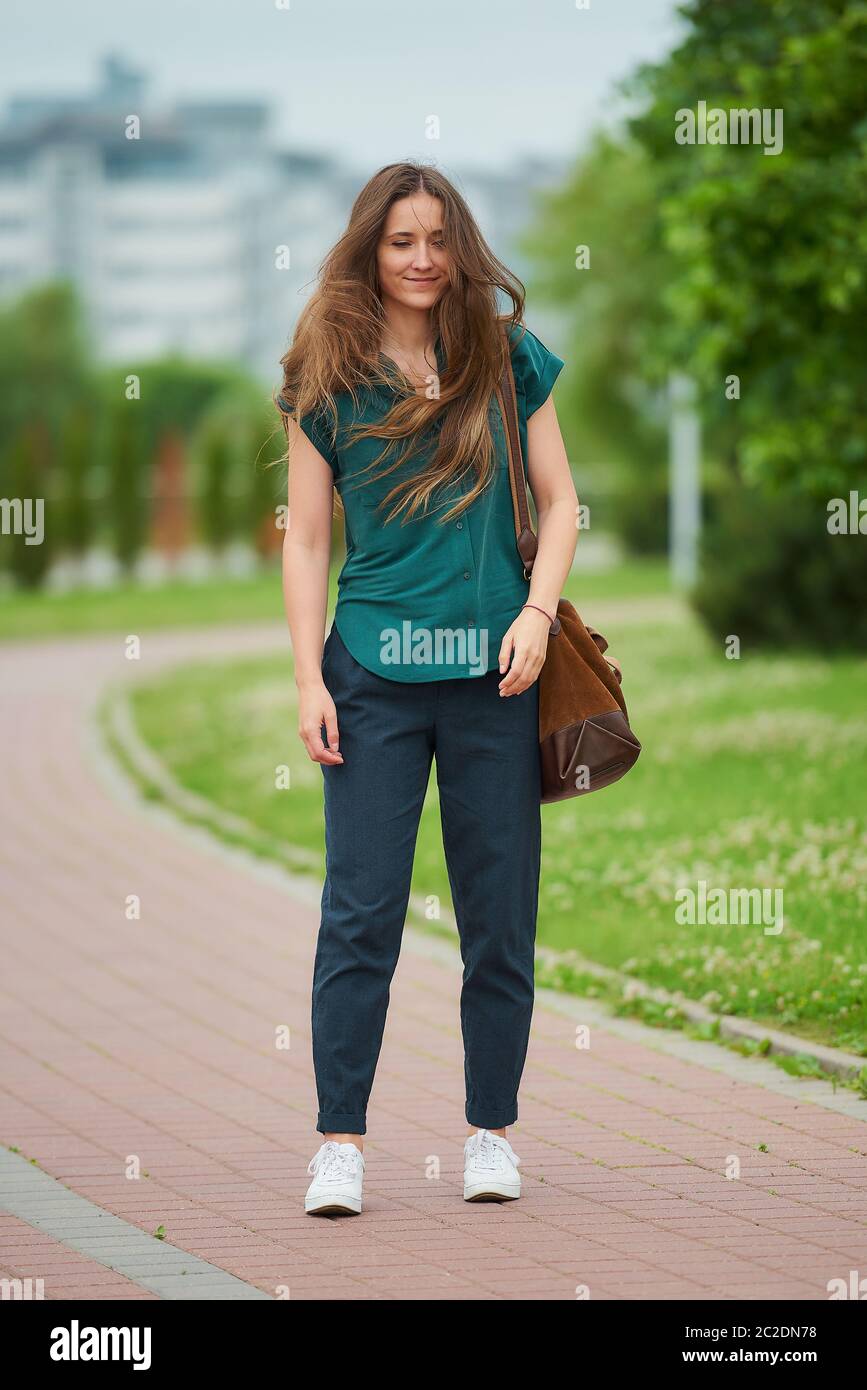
(136, 608)
(180, 603)
(752, 775)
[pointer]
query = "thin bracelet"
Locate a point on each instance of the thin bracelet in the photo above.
(539, 610)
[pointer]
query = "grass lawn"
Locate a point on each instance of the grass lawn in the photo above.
(135, 608)
(183, 603)
(752, 776)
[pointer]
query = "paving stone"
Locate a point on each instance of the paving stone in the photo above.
(147, 1046)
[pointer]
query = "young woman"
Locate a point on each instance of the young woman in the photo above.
(437, 641)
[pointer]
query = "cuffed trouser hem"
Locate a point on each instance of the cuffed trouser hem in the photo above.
(491, 1119)
(332, 1123)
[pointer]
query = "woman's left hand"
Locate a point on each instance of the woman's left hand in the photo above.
(526, 641)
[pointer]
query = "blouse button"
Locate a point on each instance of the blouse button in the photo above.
(460, 525)
(466, 574)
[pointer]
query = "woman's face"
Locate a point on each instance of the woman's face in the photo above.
(411, 258)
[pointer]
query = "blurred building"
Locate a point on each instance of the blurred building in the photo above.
(174, 233)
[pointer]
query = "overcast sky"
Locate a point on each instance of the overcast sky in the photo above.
(358, 78)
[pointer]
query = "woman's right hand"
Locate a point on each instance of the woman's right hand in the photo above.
(315, 708)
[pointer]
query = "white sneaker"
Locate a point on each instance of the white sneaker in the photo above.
(336, 1186)
(490, 1169)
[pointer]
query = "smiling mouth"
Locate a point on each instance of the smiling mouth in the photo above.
(421, 279)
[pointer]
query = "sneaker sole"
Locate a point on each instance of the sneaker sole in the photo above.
(492, 1193)
(348, 1206)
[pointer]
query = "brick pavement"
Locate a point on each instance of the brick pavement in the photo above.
(153, 1041)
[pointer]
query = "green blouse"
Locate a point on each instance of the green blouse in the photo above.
(425, 601)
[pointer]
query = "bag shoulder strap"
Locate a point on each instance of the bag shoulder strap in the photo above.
(525, 537)
(507, 400)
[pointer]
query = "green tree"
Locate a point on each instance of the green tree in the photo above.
(29, 533)
(615, 415)
(216, 500)
(77, 512)
(44, 359)
(768, 278)
(128, 495)
(608, 203)
(266, 484)
(220, 464)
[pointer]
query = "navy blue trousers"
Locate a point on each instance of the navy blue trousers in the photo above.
(487, 758)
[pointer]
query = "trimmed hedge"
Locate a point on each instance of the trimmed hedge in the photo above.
(774, 575)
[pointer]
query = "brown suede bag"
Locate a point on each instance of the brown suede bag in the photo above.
(585, 741)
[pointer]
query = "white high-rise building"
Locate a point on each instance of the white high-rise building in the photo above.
(173, 237)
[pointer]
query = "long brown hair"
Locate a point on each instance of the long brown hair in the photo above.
(337, 340)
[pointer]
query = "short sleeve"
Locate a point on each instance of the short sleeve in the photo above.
(318, 429)
(535, 367)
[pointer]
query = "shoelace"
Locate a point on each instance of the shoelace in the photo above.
(489, 1151)
(332, 1163)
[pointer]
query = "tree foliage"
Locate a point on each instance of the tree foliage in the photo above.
(767, 252)
(721, 261)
